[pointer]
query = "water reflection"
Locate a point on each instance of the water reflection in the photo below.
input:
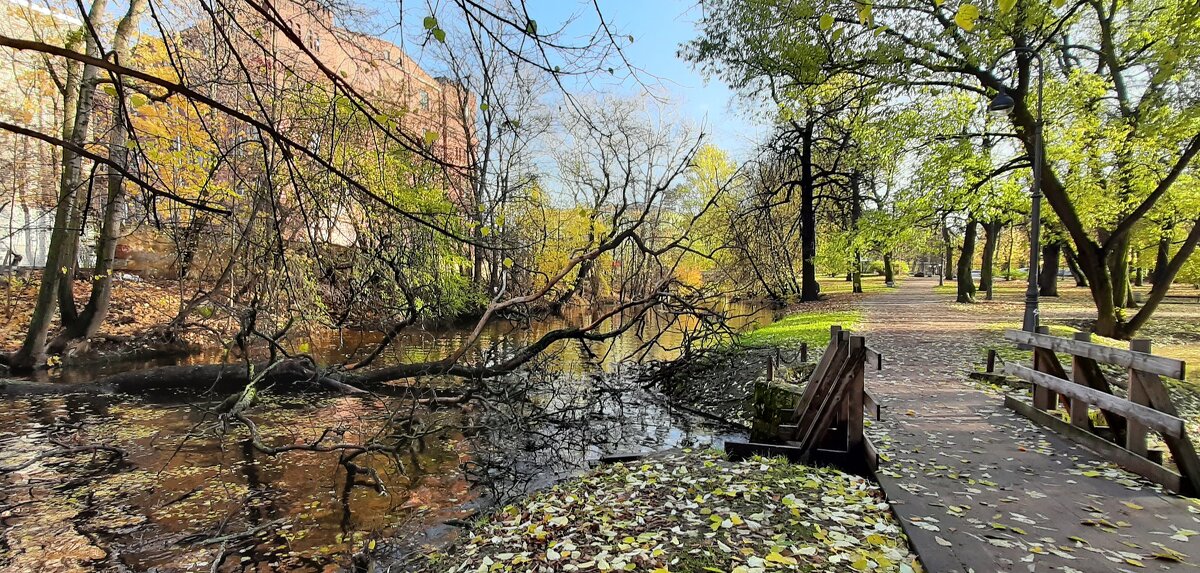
(188, 496)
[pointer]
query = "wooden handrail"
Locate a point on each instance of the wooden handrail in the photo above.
(1126, 358)
(1167, 424)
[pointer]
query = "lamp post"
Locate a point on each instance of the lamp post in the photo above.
(1002, 103)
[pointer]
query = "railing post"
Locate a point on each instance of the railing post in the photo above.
(1043, 398)
(1135, 432)
(1079, 408)
(854, 398)
(991, 360)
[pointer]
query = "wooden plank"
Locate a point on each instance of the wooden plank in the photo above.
(854, 397)
(743, 450)
(1046, 361)
(874, 359)
(1087, 372)
(818, 385)
(1135, 431)
(872, 404)
(1106, 354)
(1121, 456)
(819, 370)
(1164, 423)
(1079, 408)
(816, 419)
(872, 454)
(1183, 451)
(811, 436)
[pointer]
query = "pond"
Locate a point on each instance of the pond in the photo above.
(193, 496)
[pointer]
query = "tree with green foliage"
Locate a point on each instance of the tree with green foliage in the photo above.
(1122, 110)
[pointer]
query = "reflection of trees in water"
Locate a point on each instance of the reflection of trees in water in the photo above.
(545, 426)
(516, 432)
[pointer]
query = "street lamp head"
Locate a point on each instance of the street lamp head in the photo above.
(1001, 103)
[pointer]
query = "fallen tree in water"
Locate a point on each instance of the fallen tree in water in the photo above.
(302, 373)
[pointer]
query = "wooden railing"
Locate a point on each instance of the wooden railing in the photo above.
(1146, 407)
(828, 417)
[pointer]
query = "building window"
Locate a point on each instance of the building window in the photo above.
(424, 100)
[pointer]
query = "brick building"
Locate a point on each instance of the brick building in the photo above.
(379, 69)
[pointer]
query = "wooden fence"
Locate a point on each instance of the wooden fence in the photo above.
(828, 417)
(1127, 420)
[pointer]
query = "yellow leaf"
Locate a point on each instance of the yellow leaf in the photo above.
(865, 16)
(966, 16)
(776, 557)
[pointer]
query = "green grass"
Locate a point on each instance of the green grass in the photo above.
(811, 327)
(871, 284)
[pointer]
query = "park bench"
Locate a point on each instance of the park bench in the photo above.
(1146, 406)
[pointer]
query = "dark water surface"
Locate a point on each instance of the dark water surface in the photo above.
(191, 493)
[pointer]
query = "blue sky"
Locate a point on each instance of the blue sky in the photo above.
(658, 28)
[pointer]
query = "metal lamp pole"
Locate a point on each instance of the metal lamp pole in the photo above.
(1004, 102)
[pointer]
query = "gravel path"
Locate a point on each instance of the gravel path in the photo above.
(980, 488)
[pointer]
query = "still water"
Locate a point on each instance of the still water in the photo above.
(192, 495)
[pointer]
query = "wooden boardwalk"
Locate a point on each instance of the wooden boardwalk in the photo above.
(980, 488)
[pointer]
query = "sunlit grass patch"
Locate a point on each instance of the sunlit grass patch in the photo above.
(871, 284)
(811, 327)
(690, 512)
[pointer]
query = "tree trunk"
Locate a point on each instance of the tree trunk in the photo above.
(1118, 268)
(1094, 256)
(1008, 260)
(32, 353)
(87, 322)
(990, 243)
(855, 215)
(948, 263)
(581, 276)
(1164, 252)
(810, 290)
(889, 278)
(1073, 265)
(1048, 277)
(966, 284)
(1159, 290)
(857, 274)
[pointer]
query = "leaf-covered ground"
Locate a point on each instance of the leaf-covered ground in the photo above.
(691, 511)
(983, 488)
